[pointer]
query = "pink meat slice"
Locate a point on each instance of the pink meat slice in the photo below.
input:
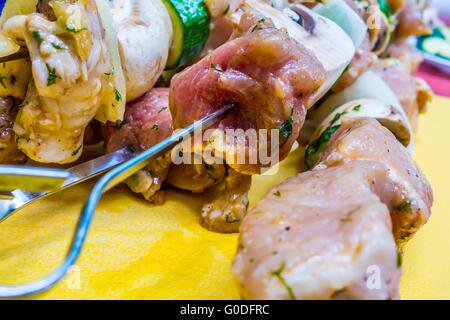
(147, 121)
(367, 140)
(264, 72)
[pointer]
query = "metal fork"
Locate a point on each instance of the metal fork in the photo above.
(108, 181)
(18, 199)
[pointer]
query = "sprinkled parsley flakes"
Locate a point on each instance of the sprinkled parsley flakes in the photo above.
(278, 274)
(52, 75)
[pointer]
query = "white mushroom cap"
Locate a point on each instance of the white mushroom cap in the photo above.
(390, 116)
(144, 32)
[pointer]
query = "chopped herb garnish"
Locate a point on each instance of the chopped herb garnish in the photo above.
(38, 4)
(216, 68)
(348, 215)
(37, 36)
(110, 73)
(399, 260)
(227, 9)
(118, 95)
(277, 273)
(300, 95)
(345, 70)
(357, 108)
(405, 206)
(12, 79)
(405, 236)
(71, 28)
(2, 82)
(58, 47)
(149, 171)
(338, 292)
(210, 169)
(334, 108)
(315, 148)
(18, 138)
(52, 76)
(118, 124)
(277, 194)
(337, 117)
(162, 109)
(76, 151)
(286, 128)
(231, 221)
(155, 127)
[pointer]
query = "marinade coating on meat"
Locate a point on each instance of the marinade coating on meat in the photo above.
(265, 73)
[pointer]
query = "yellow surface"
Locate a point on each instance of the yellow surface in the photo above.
(138, 251)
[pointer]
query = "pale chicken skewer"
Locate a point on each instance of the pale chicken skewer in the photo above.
(317, 236)
(79, 72)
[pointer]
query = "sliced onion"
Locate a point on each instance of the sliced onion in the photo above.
(114, 113)
(346, 18)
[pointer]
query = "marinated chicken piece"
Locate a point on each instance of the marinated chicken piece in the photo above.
(362, 61)
(331, 233)
(324, 234)
(69, 83)
(410, 21)
(225, 213)
(76, 69)
(147, 122)
(144, 31)
(8, 150)
(265, 73)
(366, 140)
(413, 95)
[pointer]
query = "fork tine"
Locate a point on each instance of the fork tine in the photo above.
(110, 179)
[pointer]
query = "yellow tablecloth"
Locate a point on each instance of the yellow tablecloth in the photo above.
(138, 251)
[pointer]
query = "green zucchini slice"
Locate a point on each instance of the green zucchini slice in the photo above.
(190, 21)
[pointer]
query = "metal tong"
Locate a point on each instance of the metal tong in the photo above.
(124, 163)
